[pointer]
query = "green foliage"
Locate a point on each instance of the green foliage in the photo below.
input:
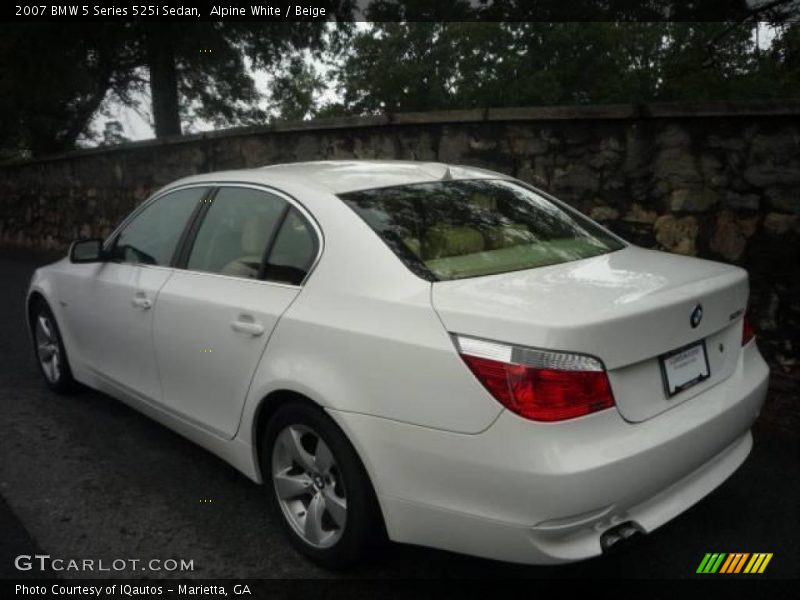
(293, 93)
(396, 67)
(217, 84)
(55, 79)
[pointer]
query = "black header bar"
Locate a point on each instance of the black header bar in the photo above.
(402, 10)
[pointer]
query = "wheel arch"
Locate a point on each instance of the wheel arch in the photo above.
(35, 296)
(266, 408)
(270, 404)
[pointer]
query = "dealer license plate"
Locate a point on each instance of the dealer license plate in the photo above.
(684, 367)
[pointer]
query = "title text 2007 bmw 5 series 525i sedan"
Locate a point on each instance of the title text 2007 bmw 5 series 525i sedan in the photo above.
(441, 354)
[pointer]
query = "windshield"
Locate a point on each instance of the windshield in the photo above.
(457, 229)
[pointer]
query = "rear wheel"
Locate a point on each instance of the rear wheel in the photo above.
(49, 349)
(318, 487)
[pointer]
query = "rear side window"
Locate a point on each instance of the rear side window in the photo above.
(293, 251)
(235, 232)
(456, 229)
(152, 235)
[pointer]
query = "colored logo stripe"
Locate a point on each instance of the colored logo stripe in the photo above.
(711, 563)
(734, 562)
(758, 563)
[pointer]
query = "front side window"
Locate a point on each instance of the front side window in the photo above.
(152, 236)
(456, 229)
(235, 233)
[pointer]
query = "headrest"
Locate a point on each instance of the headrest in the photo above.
(504, 236)
(254, 235)
(451, 240)
(414, 245)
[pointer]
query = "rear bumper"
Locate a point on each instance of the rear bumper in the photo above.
(545, 492)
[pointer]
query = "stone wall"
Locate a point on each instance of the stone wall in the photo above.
(718, 181)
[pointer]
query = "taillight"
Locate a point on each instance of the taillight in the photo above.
(538, 384)
(748, 331)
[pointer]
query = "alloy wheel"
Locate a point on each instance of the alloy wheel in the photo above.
(308, 486)
(48, 348)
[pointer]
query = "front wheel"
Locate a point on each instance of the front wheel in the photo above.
(49, 348)
(319, 488)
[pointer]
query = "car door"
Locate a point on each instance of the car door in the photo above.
(110, 305)
(244, 264)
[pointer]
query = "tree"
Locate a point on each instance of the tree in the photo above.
(410, 66)
(161, 62)
(200, 70)
(293, 93)
(113, 134)
(54, 79)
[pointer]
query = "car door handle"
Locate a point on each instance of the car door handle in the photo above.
(250, 327)
(142, 302)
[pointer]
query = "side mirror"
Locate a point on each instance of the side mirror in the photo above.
(87, 251)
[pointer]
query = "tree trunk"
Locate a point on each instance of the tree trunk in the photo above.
(163, 81)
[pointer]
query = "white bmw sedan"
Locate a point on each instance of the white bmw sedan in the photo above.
(441, 354)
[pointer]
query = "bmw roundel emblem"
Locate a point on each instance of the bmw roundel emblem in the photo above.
(696, 316)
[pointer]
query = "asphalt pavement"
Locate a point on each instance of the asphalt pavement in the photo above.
(87, 477)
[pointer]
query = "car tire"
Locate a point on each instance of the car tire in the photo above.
(312, 472)
(48, 349)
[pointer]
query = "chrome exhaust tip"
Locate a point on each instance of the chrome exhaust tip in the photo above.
(626, 532)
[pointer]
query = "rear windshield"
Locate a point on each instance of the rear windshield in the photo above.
(457, 229)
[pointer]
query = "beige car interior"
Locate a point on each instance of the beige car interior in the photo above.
(252, 243)
(445, 240)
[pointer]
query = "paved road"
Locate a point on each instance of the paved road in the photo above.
(87, 477)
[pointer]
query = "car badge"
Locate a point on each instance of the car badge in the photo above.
(696, 316)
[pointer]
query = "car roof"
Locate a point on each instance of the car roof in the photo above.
(342, 176)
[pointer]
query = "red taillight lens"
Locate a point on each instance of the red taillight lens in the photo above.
(748, 331)
(539, 385)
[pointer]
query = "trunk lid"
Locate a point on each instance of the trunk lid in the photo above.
(626, 308)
